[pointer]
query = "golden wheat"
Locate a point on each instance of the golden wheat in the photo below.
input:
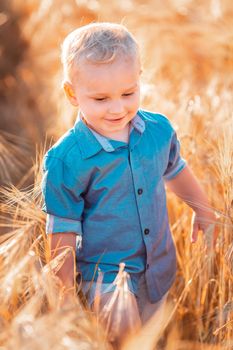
(187, 54)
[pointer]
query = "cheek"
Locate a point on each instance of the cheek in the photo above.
(135, 101)
(92, 106)
(97, 110)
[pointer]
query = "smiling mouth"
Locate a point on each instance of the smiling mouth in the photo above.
(115, 120)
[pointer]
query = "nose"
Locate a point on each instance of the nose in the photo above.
(116, 107)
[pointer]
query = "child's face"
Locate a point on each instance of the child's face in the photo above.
(108, 94)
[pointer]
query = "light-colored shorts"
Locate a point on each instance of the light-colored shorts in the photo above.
(145, 308)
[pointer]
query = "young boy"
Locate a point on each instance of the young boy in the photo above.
(104, 179)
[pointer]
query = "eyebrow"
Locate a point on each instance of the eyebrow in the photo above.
(106, 93)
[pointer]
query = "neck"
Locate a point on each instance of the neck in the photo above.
(122, 135)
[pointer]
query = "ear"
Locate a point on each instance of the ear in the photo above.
(70, 94)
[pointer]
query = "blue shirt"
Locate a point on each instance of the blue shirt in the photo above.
(113, 194)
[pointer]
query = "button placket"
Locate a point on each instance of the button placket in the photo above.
(142, 205)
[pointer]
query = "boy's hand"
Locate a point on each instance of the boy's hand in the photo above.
(186, 186)
(205, 222)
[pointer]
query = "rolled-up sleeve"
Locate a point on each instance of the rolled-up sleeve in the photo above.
(63, 201)
(175, 163)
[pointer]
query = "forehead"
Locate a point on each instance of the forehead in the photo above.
(122, 71)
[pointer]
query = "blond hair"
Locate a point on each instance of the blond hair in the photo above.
(97, 43)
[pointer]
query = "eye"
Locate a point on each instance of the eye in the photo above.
(129, 94)
(100, 99)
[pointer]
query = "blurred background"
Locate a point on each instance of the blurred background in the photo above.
(187, 56)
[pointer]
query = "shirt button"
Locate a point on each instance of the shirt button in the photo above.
(140, 190)
(146, 231)
(147, 266)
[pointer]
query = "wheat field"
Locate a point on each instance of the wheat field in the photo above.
(187, 56)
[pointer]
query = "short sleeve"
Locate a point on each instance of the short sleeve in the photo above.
(63, 202)
(175, 163)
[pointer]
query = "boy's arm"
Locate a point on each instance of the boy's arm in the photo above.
(186, 186)
(59, 242)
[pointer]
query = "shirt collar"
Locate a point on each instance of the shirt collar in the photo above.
(138, 123)
(91, 142)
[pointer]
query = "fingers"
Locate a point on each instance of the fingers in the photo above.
(204, 224)
(194, 231)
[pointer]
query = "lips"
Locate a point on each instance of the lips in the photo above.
(114, 120)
